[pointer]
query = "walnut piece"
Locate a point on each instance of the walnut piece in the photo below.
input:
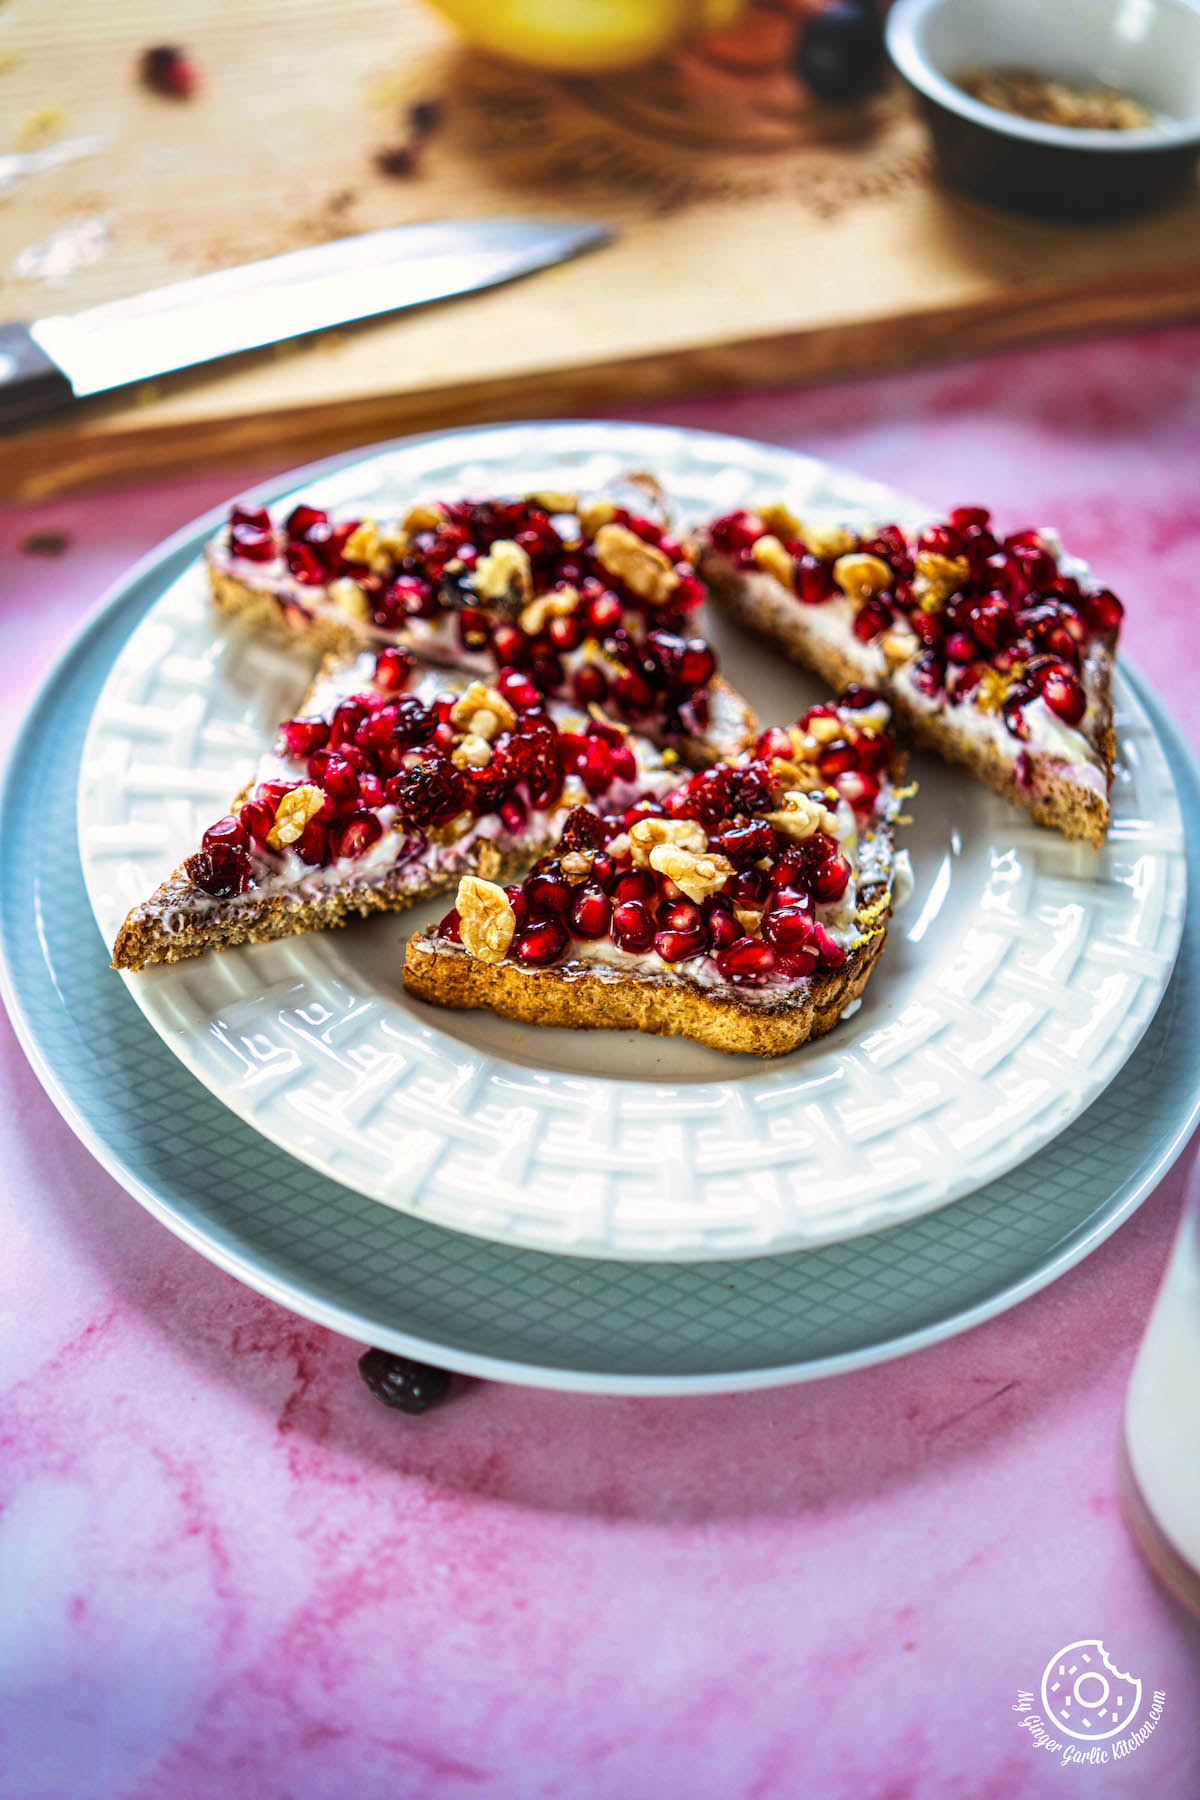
(486, 919)
(781, 520)
(537, 615)
(504, 573)
(861, 576)
(292, 815)
(939, 576)
(822, 730)
(695, 875)
(365, 545)
(770, 555)
(645, 569)
(473, 753)
(349, 598)
(829, 541)
(593, 514)
(577, 865)
(645, 834)
(482, 712)
(799, 817)
(556, 503)
(426, 515)
(898, 647)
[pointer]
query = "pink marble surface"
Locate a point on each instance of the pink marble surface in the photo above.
(227, 1574)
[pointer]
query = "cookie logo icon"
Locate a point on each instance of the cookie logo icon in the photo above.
(1086, 1695)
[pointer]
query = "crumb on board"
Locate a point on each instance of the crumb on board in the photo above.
(47, 542)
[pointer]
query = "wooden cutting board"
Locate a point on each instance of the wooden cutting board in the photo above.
(761, 239)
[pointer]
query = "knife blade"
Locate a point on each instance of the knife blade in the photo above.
(47, 364)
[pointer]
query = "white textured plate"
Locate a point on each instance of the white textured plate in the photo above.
(1014, 987)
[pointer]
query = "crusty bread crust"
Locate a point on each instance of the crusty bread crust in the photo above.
(166, 929)
(764, 606)
(656, 1004)
(325, 630)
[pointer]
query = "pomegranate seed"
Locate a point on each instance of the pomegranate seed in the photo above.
(871, 620)
(698, 665)
(682, 917)
(371, 790)
(341, 779)
(302, 736)
(747, 963)
(737, 531)
(412, 723)
(272, 792)
(516, 899)
(775, 743)
(518, 690)
(591, 911)
(547, 896)
(836, 758)
(788, 928)
(1103, 611)
(680, 946)
(253, 543)
(928, 674)
(856, 697)
(940, 540)
(1014, 718)
(723, 930)
(745, 844)
(831, 879)
(632, 926)
(450, 927)
(226, 831)
(510, 646)
(222, 871)
(1064, 695)
(258, 818)
(749, 887)
(813, 579)
(393, 669)
(514, 815)
(827, 947)
(354, 834)
(256, 516)
(964, 517)
(862, 791)
(541, 943)
(596, 766)
(312, 846)
(796, 964)
(304, 564)
(689, 594)
(302, 518)
(992, 621)
(637, 884)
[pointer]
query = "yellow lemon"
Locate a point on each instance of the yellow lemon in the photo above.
(584, 35)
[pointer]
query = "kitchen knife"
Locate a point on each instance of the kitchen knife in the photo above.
(55, 360)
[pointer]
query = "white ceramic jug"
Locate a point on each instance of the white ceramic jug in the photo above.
(1160, 1453)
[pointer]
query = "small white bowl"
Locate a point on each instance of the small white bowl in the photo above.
(1148, 49)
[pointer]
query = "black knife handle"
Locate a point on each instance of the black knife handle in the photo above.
(30, 383)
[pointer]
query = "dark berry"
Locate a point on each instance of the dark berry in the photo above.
(400, 1381)
(839, 55)
(166, 69)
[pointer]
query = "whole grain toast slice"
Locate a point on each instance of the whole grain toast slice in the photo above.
(594, 600)
(973, 672)
(473, 787)
(789, 965)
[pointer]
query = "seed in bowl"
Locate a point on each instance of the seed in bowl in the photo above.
(1052, 102)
